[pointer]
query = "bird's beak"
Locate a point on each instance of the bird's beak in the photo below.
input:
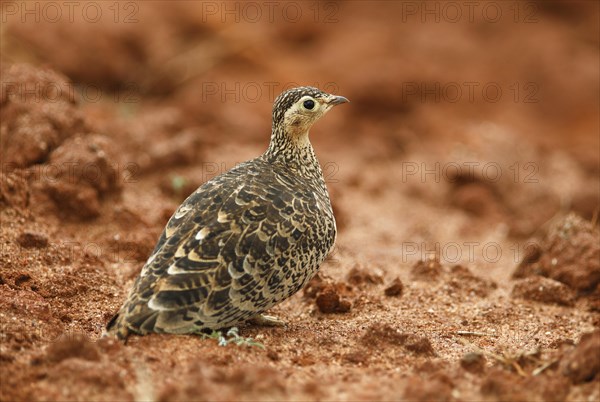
(336, 100)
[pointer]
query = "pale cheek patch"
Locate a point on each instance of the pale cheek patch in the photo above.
(296, 121)
(298, 125)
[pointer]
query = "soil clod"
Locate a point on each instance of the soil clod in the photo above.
(544, 290)
(473, 362)
(30, 239)
(394, 289)
(583, 363)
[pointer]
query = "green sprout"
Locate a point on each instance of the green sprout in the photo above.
(232, 336)
(178, 183)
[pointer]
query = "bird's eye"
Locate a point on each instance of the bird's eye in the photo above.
(309, 104)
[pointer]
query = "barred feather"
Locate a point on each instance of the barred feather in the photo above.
(245, 240)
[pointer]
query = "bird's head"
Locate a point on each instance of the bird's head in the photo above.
(297, 109)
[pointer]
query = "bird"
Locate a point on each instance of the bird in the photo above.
(245, 240)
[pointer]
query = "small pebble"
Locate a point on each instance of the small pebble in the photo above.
(473, 362)
(395, 288)
(30, 239)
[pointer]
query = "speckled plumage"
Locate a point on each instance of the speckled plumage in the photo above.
(243, 241)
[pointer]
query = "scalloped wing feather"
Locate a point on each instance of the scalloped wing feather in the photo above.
(229, 252)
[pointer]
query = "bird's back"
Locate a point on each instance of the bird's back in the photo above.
(240, 244)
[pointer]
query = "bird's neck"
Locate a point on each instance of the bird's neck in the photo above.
(295, 152)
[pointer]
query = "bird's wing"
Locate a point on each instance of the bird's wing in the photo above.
(227, 244)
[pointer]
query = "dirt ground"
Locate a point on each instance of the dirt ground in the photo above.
(464, 176)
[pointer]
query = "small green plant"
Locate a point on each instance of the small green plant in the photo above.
(178, 183)
(232, 336)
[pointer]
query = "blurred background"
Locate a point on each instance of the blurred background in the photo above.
(479, 118)
(429, 69)
(453, 89)
(512, 83)
(473, 127)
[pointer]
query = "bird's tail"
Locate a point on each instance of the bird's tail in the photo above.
(140, 321)
(117, 326)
